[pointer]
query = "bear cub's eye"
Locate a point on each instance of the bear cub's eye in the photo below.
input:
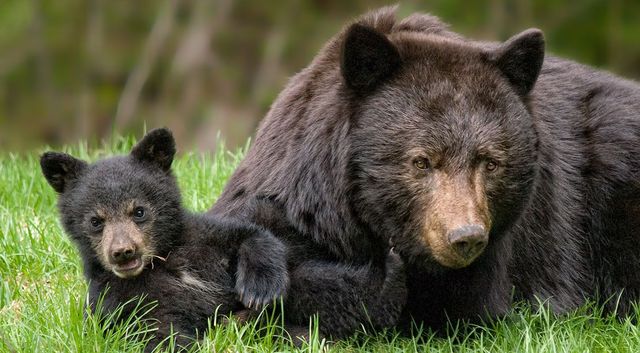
(491, 165)
(96, 222)
(421, 163)
(139, 214)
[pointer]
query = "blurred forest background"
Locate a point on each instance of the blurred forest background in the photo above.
(72, 69)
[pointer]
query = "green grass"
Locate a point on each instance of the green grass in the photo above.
(42, 290)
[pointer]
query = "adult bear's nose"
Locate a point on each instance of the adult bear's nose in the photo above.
(468, 241)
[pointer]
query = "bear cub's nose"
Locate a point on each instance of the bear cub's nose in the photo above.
(468, 241)
(123, 254)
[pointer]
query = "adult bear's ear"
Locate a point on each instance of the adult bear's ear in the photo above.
(157, 147)
(368, 58)
(61, 169)
(520, 59)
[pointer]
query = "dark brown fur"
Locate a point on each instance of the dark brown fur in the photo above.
(338, 150)
(139, 245)
(137, 241)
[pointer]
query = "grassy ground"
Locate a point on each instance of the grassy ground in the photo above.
(42, 290)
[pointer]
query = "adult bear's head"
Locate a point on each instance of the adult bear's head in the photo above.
(443, 145)
(399, 130)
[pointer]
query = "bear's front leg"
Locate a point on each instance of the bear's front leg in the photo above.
(261, 276)
(347, 297)
(171, 331)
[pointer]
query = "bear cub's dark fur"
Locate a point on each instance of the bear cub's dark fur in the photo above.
(125, 215)
(136, 240)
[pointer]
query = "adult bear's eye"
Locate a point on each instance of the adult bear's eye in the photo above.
(491, 165)
(421, 163)
(96, 223)
(139, 214)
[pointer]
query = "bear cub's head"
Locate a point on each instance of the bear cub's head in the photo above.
(122, 211)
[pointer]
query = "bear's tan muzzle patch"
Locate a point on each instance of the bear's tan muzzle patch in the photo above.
(121, 238)
(457, 222)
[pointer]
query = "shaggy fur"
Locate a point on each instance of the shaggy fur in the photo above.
(195, 266)
(345, 297)
(192, 265)
(541, 151)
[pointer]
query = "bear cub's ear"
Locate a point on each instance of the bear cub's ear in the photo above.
(520, 59)
(368, 58)
(157, 147)
(60, 169)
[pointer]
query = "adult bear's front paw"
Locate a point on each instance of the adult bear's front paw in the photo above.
(262, 275)
(394, 263)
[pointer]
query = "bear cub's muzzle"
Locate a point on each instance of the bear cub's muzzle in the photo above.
(124, 249)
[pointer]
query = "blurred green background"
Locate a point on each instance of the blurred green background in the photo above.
(82, 69)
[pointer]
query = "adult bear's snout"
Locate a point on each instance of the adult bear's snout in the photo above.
(457, 223)
(468, 241)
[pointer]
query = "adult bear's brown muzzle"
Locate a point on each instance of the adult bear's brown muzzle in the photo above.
(457, 224)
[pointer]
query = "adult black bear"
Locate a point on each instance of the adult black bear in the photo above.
(497, 173)
(137, 241)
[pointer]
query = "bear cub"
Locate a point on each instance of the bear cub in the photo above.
(136, 240)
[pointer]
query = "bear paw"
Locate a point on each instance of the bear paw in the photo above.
(394, 263)
(262, 275)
